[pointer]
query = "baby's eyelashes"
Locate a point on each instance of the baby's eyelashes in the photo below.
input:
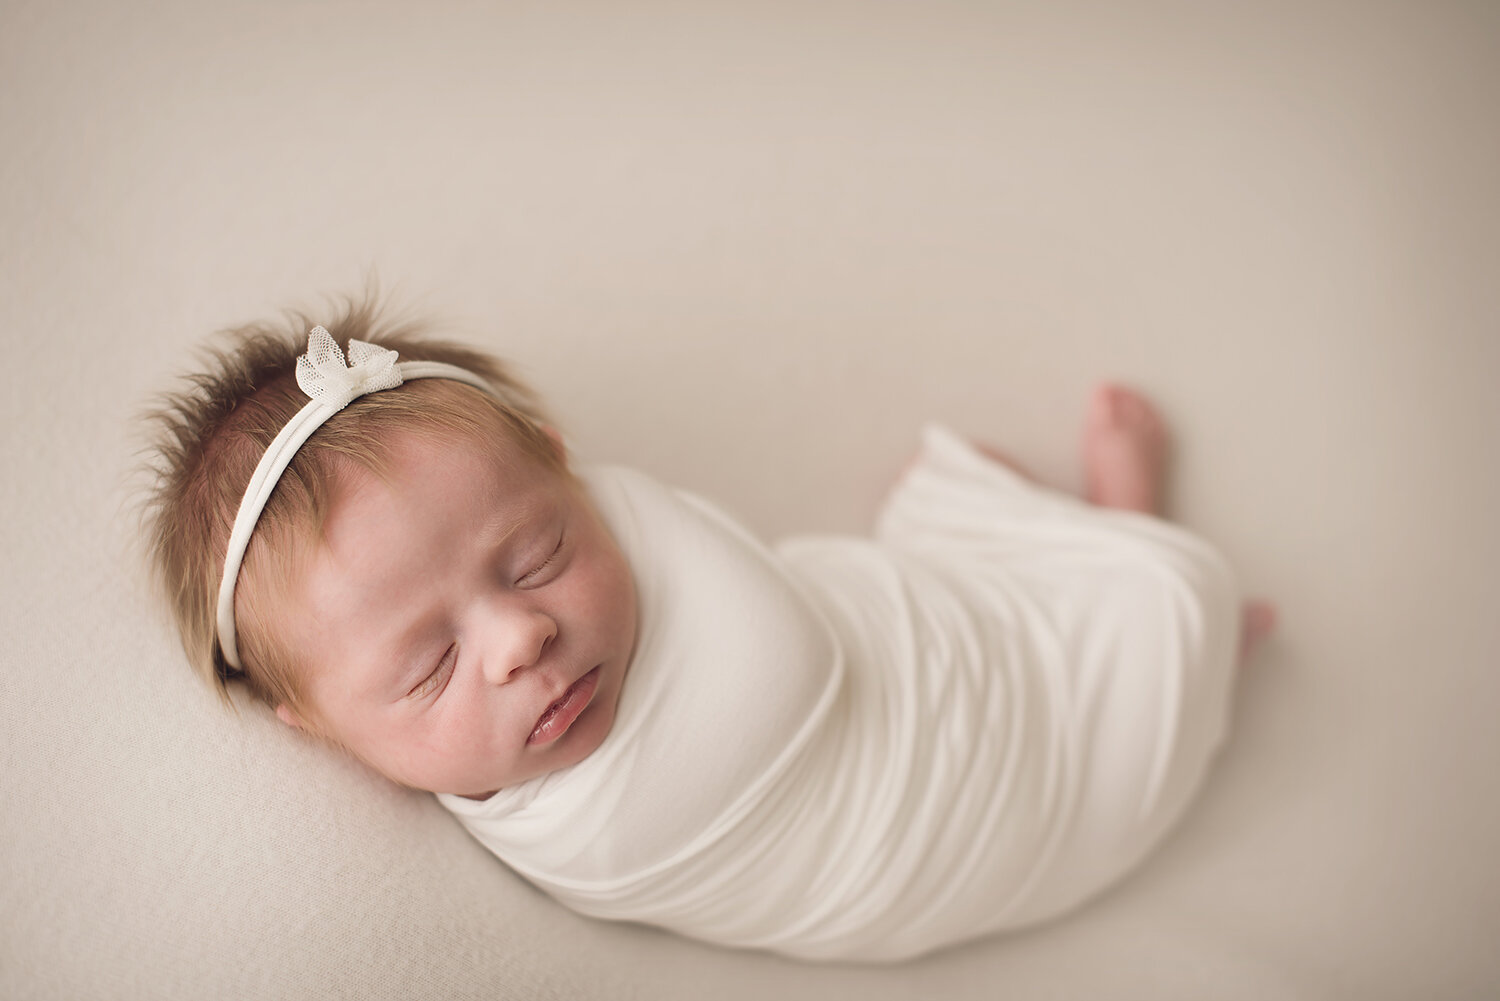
(532, 576)
(439, 674)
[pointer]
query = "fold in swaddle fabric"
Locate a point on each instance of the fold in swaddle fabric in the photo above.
(867, 749)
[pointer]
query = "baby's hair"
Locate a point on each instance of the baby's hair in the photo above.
(208, 437)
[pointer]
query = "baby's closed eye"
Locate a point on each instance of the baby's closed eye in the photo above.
(533, 576)
(439, 674)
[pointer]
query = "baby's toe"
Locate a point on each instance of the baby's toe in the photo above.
(1138, 414)
(1104, 405)
(1131, 407)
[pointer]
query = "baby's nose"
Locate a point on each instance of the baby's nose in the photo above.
(519, 641)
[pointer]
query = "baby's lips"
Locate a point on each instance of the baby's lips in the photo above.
(560, 715)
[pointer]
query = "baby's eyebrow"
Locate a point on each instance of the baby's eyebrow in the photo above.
(499, 529)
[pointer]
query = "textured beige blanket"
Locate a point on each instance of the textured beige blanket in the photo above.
(748, 247)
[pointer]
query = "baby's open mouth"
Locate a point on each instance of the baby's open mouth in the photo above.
(560, 715)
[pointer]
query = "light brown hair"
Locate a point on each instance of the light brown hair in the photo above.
(207, 437)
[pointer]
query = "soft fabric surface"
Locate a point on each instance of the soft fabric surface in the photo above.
(749, 248)
(871, 748)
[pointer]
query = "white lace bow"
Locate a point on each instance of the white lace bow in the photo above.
(323, 374)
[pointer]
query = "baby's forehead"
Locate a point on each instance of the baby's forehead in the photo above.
(427, 485)
(418, 458)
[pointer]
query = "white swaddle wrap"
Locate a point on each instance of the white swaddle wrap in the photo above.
(867, 749)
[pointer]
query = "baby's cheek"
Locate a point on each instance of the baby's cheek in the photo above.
(592, 590)
(482, 734)
(435, 750)
(622, 591)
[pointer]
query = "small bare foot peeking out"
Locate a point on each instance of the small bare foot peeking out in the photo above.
(1124, 450)
(1125, 447)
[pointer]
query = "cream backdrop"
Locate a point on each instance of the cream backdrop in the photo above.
(748, 248)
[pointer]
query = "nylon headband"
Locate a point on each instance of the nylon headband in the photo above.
(332, 384)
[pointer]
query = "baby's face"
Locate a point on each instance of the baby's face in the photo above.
(467, 622)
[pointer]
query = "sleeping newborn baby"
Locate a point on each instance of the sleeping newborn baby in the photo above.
(836, 748)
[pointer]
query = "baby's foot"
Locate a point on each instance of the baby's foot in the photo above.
(1257, 621)
(1124, 450)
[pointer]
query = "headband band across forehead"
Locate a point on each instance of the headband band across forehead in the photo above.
(332, 383)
